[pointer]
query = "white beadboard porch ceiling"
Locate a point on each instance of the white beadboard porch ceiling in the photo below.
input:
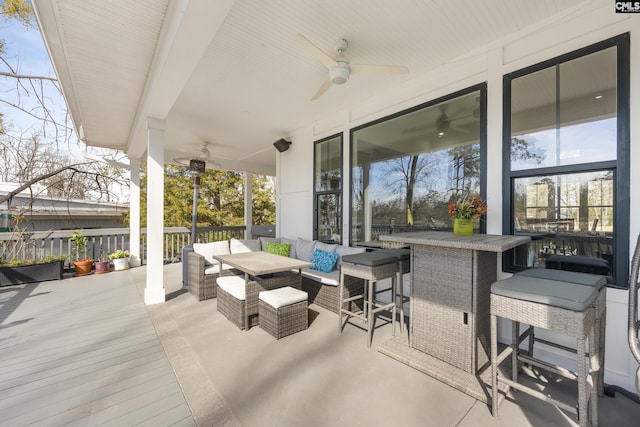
(252, 82)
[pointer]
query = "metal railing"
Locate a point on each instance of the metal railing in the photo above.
(103, 241)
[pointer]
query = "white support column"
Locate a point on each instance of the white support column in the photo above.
(154, 292)
(248, 204)
(134, 212)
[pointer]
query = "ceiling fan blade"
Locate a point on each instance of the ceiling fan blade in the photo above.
(323, 88)
(315, 51)
(269, 148)
(376, 70)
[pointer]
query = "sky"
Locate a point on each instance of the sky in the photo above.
(25, 51)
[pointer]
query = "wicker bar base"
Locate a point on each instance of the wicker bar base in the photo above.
(283, 321)
(476, 385)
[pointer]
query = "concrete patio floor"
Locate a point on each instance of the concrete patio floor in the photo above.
(228, 377)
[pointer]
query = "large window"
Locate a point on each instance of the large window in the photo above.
(566, 145)
(327, 224)
(407, 167)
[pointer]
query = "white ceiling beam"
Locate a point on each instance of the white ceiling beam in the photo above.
(187, 32)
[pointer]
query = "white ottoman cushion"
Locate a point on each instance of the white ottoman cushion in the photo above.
(233, 285)
(281, 297)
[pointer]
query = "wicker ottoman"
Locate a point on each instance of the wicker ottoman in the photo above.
(232, 300)
(283, 311)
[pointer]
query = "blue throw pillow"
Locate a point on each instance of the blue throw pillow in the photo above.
(323, 261)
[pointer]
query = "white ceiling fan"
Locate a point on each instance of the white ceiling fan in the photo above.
(340, 69)
(204, 154)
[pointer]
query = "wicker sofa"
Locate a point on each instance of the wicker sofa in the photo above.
(321, 287)
(203, 270)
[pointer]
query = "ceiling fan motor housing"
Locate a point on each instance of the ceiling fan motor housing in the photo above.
(340, 73)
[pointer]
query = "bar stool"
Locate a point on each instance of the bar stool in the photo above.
(594, 280)
(404, 266)
(370, 266)
(563, 307)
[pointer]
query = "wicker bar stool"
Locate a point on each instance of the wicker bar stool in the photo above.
(594, 280)
(563, 307)
(370, 266)
(404, 266)
(283, 311)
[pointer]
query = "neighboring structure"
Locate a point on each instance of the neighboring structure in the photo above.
(43, 212)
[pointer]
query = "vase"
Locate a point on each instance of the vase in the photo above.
(120, 263)
(102, 267)
(463, 227)
(83, 267)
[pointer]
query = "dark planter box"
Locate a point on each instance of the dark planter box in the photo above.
(31, 273)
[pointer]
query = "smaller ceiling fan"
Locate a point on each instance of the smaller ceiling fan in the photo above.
(340, 69)
(204, 155)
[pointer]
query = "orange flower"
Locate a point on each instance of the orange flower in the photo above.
(467, 209)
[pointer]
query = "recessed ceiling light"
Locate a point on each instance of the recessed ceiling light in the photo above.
(598, 96)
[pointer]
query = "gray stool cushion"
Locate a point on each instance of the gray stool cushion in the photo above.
(399, 253)
(566, 295)
(370, 259)
(566, 276)
(402, 255)
(578, 263)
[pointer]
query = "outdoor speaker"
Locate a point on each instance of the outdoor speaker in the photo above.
(282, 145)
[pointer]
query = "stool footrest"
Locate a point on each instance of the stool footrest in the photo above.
(556, 345)
(538, 394)
(359, 315)
(357, 297)
(563, 372)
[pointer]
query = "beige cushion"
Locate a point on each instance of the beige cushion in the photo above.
(292, 248)
(215, 269)
(282, 297)
(331, 279)
(233, 285)
(208, 250)
(305, 248)
(243, 246)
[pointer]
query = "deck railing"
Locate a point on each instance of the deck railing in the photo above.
(103, 241)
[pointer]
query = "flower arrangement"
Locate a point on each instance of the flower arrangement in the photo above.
(467, 208)
(119, 254)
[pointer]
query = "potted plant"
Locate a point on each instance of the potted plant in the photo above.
(463, 211)
(83, 264)
(103, 265)
(17, 271)
(120, 259)
(14, 269)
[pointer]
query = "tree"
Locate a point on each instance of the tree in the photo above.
(40, 154)
(404, 172)
(221, 199)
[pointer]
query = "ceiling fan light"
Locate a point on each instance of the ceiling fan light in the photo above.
(339, 74)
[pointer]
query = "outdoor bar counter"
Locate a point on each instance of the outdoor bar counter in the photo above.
(451, 279)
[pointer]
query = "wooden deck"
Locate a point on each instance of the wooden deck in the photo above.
(83, 351)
